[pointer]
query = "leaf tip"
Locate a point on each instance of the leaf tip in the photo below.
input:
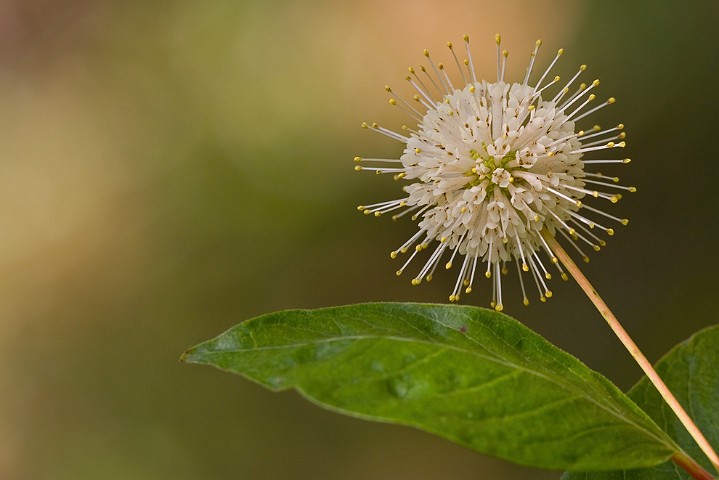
(188, 356)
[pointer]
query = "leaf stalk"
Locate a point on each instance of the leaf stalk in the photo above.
(690, 466)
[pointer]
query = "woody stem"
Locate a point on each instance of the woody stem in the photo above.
(634, 351)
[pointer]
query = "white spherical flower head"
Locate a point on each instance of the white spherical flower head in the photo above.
(496, 167)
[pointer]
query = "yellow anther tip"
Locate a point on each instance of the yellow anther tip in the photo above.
(627, 160)
(565, 277)
(555, 260)
(632, 189)
(364, 125)
(418, 248)
(393, 254)
(468, 290)
(572, 231)
(416, 281)
(498, 39)
(377, 214)
(625, 221)
(557, 78)
(586, 259)
(611, 100)
(538, 42)
(596, 248)
(548, 276)
(448, 265)
(548, 294)
(525, 267)
(542, 299)
(367, 212)
(525, 302)
(358, 159)
(488, 274)
(505, 53)
(360, 207)
(578, 204)
(592, 97)
(560, 51)
(425, 52)
(465, 37)
(392, 101)
(499, 307)
(596, 82)
(358, 168)
(398, 272)
(610, 231)
(449, 44)
(583, 67)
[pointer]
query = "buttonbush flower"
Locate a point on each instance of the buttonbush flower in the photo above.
(493, 166)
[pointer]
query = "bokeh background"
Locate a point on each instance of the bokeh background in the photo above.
(170, 168)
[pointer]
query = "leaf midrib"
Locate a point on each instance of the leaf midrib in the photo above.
(568, 387)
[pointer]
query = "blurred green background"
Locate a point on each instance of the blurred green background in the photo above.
(170, 168)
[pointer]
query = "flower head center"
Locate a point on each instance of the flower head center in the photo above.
(491, 170)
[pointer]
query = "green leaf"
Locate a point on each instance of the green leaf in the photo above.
(471, 375)
(691, 372)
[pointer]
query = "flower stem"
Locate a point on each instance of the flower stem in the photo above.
(629, 344)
